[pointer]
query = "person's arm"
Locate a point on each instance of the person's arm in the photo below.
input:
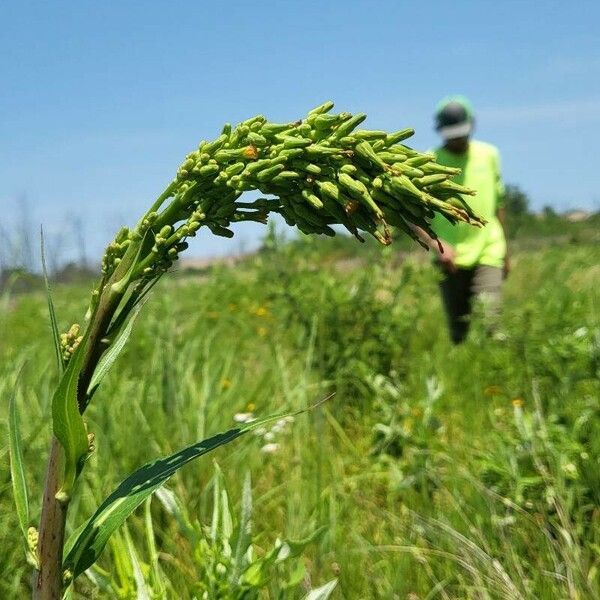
(445, 252)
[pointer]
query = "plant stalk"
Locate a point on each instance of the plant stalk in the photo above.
(48, 580)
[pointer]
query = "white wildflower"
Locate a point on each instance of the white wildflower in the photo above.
(270, 448)
(279, 426)
(245, 417)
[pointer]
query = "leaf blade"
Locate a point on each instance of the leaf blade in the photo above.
(111, 355)
(67, 422)
(244, 534)
(133, 490)
(51, 311)
(17, 469)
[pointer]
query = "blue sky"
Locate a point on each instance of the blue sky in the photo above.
(101, 100)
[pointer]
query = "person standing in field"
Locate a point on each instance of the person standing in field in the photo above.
(474, 261)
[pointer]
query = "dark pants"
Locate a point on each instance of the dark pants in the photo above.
(462, 289)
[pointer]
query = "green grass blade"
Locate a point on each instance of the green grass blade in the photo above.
(67, 422)
(244, 536)
(17, 469)
(173, 506)
(155, 572)
(323, 592)
(141, 589)
(216, 512)
(53, 322)
(133, 490)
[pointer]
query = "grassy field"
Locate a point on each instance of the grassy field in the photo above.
(433, 472)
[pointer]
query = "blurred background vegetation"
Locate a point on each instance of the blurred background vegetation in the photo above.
(433, 472)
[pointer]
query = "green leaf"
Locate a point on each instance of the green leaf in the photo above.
(296, 576)
(133, 490)
(216, 513)
(67, 422)
(74, 535)
(244, 534)
(51, 311)
(294, 548)
(68, 595)
(109, 357)
(130, 262)
(155, 572)
(257, 574)
(141, 588)
(17, 470)
(323, 592)
(173, 506)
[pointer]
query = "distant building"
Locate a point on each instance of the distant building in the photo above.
(577, 216)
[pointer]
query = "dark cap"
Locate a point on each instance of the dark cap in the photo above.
(454, 117)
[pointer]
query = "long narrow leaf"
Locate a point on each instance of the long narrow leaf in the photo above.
(244, 536)
(67, 422)
(141, 588)
(51, 311)
(155, 572)
(133, 490)
(17, 469)
(113, 352)
(173, 506)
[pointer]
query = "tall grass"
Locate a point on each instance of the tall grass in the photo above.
(469, 472)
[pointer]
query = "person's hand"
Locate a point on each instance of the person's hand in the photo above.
(506, 268)
(446, 256)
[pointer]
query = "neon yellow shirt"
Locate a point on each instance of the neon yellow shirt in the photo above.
(480, 170)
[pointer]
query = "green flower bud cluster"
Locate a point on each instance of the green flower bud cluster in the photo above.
(323, 172)
(69, 342)
(318, 172)
(32, 547)
(115, 251)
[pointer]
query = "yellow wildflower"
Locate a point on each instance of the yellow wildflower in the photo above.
(226, 383)
(518, 402)
(261, 311)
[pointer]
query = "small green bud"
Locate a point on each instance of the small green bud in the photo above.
(165, 232)
(322, 108)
